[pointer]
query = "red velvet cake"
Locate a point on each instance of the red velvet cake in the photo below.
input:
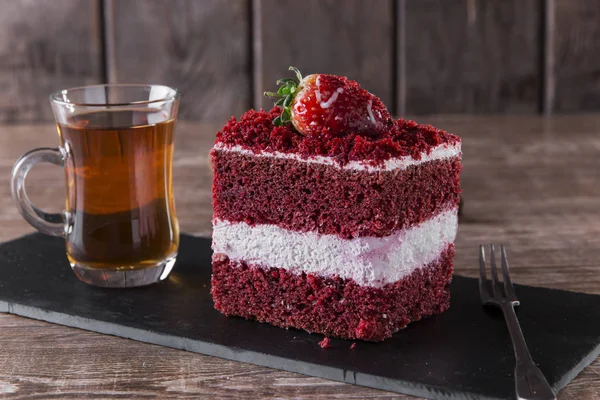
(345, 229)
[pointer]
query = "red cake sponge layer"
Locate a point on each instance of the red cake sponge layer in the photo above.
(302, 196)
(330, 305)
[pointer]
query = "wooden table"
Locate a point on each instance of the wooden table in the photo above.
(529, 182)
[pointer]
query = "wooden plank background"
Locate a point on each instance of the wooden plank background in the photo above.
(577, 52)
(45, 45)
(419, 56)
(472, 56)
(201, 47)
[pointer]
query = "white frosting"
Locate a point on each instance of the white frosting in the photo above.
(441, 152)
(370, 112)
(332, 99)
(370, 261)
(319, 98)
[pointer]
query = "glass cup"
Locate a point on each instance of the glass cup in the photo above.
(116, 147)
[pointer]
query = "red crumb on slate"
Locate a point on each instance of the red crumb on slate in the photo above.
(255, 131)
(324, 343)
(353, 346)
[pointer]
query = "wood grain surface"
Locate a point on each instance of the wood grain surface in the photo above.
(577, 55)
(529, 182)
(343, 37)
(45, 45)
(472, 56)
(202, 47)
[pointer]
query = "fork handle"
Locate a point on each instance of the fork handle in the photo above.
(530, 383)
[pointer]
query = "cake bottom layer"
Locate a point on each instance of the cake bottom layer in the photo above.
(331, 305)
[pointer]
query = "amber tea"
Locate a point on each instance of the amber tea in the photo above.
(120, 205)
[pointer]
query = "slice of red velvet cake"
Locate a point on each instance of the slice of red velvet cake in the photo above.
(347, 230)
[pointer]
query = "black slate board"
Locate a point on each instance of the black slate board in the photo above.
(463, 353)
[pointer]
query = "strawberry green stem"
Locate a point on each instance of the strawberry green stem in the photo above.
(288, 87)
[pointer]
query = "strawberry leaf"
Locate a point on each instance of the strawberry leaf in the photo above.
(284, 90)
(272, 94)
(298, 74)
(288, 88)
(286, 81)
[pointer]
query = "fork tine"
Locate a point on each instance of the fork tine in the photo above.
(483, 290)
(494, 272)
(508, 285)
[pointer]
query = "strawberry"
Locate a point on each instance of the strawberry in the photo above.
(329, 104)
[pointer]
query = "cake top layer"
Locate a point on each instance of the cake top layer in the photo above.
(256, 132)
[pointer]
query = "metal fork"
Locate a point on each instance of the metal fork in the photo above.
(530, 383)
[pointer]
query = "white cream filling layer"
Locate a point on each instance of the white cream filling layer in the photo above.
(370, 261)
(438, 153)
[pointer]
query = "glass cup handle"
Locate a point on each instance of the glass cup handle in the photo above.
(50, 224)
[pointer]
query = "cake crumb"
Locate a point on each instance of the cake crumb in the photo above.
(255, 132)
(353, 346)
(324, 343)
